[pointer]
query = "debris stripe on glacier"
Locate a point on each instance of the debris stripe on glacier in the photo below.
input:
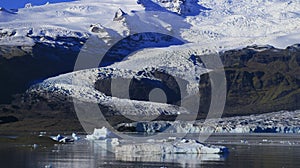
(276, 122)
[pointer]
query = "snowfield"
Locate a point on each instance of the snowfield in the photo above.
(225, 24)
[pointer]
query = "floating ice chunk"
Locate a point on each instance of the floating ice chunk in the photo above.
(48, 166)
(62, 139)
(113, 141)
(99, 134)
(185, 146)
(75, 137)
(42, 134)
(35, 146)
(57, 138)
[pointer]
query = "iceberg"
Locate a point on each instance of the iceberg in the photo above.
(103, 138)
(99, 134)
(75, 136)
(184, 146)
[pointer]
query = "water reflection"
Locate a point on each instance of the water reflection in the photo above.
(189, 160)
(94, 154)
(83, 154)
(69, 155)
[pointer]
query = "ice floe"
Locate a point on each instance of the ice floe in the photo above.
(184, 146)
(64, 139)
(99, 134)
(165, 146)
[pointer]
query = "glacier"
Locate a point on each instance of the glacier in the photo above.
(81, 85)
(275, 122)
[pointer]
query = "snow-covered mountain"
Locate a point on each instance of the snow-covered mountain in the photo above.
(51, 33)
(225, 24)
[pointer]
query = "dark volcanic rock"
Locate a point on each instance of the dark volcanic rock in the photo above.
(8, 119)
(262, 79)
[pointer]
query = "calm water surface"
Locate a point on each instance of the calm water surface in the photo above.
(250, 150)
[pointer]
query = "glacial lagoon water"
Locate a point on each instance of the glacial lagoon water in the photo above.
(245, 150)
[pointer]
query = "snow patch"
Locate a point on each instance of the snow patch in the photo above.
(219, 23)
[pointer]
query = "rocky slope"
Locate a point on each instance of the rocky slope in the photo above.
(262, 79)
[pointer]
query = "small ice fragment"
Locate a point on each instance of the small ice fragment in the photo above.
(58, 138)
(35, 146)
(115, 141)
(99, 134)
(48, 166)
(42, 134)
(62, 139)
(75, 137)
(244, 141)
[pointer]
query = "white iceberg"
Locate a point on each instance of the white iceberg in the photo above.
(184, 146)
(99, 134)
(104, 138)
(75, 136)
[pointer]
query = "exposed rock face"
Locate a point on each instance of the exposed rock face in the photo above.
(119, 15)
(259, 79)
(262, 79)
